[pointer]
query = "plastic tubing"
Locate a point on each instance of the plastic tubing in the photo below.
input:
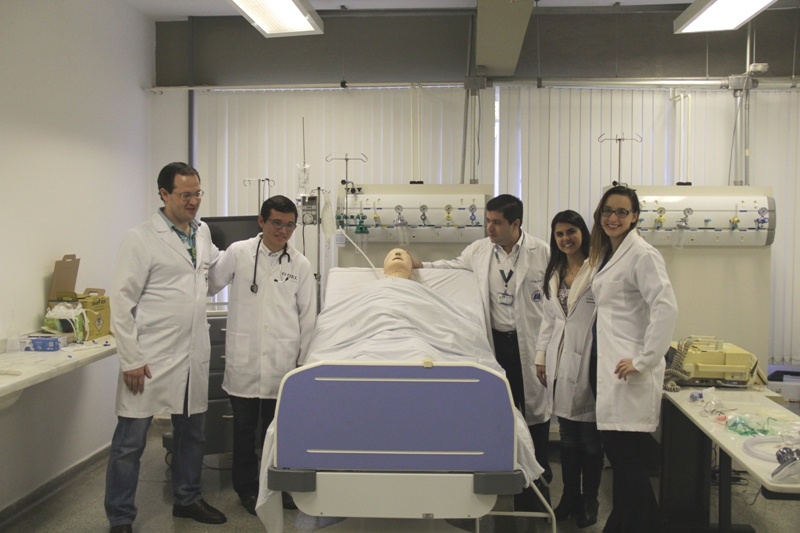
(750, 446)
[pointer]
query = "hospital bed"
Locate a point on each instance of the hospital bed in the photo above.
(399, 445)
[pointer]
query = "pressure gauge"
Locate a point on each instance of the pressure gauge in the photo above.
(762, 211)
(661, 211)
(688, 211)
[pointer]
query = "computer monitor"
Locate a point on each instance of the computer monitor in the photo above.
(227, 230)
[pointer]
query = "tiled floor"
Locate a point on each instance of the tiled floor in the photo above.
(78, 507)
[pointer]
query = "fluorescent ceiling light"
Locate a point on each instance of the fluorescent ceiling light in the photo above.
(718, 15)
(280, 18)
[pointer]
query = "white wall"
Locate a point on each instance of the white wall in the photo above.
(75, 171)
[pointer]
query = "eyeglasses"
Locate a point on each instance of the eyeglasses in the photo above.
(277, 224)
(186, 196)
(621, 213)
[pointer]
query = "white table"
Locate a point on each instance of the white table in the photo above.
(687, 436)
(20, 370)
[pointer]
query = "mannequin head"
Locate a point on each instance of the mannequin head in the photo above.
(397, 264)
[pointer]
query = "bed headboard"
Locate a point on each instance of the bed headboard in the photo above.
(395, 417)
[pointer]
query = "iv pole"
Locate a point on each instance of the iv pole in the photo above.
(267, 184)
(619, 140)
(346, 179)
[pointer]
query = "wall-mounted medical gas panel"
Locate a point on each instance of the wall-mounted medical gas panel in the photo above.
(423, 213)
(706, 216)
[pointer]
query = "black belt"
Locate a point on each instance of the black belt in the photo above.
(506, 334)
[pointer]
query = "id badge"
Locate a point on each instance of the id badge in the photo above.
(504, 298)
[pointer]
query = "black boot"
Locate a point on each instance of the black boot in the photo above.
(571, 500)
(528, 501)
(588, 513)
(592, 469)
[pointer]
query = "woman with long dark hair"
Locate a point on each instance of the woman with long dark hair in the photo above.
(563, 364)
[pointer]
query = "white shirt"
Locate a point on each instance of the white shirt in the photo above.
(502, 315)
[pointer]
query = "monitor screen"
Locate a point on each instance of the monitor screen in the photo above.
(227, 230)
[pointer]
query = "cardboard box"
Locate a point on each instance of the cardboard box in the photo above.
(42, 343)
(94, 302)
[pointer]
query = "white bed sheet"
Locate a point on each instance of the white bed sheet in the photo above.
(458, 285)
(357, 324)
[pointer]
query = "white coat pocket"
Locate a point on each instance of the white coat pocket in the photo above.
(574, 366)
(237, 350)
(158, 344)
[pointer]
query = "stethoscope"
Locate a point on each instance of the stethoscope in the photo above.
(284, 253)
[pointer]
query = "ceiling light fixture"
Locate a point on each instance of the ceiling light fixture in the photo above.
(718, 15)
(280, 18)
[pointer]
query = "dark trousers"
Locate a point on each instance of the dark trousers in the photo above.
(634, 506)
(247, 438)
(581, 458)
(506, 351)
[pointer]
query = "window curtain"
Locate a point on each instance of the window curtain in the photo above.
(557, 150)
(368, 136)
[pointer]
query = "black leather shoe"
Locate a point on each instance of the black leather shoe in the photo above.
(568, 506)
(588, 514)
(288, 501)
(122, 528)
(249, 503)
(199, 511)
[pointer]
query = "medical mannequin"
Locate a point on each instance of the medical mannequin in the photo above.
(396, 318)
(636, 315)
(397, 264)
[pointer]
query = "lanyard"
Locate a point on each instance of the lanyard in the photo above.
(507, 277)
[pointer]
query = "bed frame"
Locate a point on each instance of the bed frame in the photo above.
(419, 442)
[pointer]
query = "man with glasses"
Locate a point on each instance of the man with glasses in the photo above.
(271, 314)
(510, 265)
(159, 319)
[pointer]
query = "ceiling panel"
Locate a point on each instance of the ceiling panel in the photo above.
(163, 10)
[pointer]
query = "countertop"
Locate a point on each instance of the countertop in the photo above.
(20, 370)
(731, 403)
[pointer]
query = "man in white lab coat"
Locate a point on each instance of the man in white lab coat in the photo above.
(510, 266)
(159, 319)
(271, 315)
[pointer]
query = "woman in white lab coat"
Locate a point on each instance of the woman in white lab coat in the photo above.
(563, 365)
(271, 315)
(636, 315)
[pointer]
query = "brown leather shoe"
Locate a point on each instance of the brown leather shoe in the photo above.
(199, 511)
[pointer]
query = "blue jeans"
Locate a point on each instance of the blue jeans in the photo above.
(127, 446)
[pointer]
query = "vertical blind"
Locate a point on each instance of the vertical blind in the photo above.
(554, 148)
(388, 136)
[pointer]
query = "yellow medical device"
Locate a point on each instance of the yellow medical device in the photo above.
(708, 361)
